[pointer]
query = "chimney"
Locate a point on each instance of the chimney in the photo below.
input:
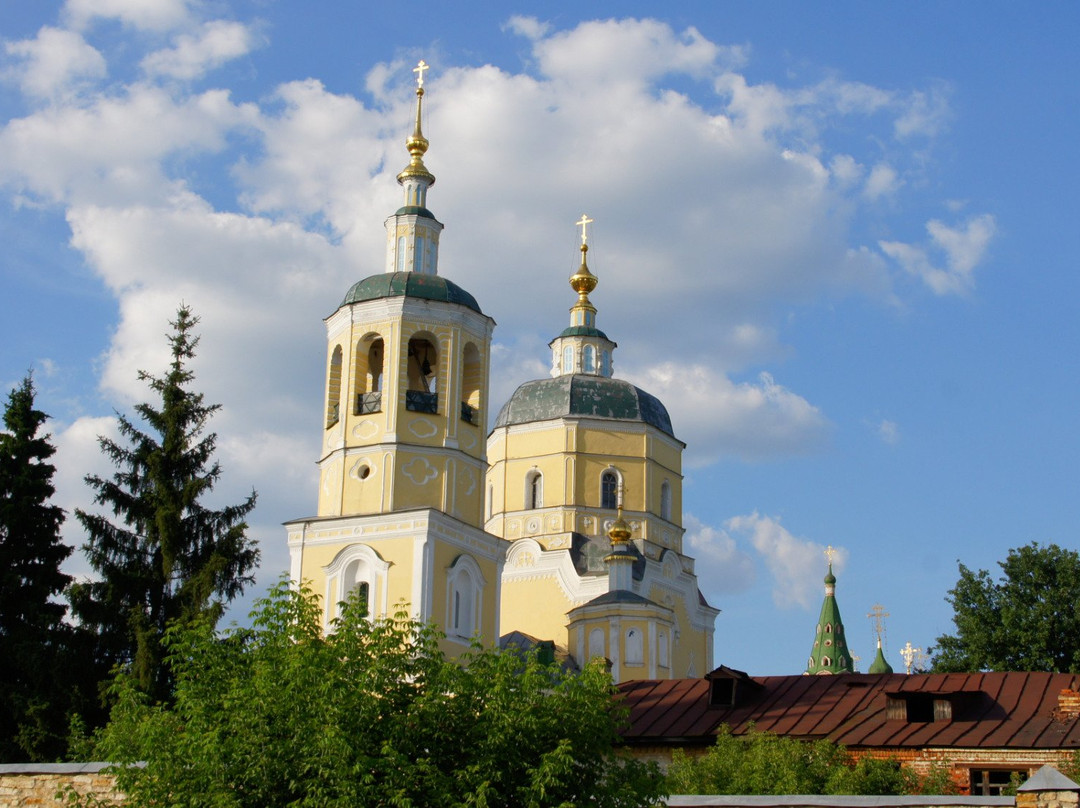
(1068, 705)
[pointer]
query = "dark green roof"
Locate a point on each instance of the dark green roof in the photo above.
(409, 284)
(582, 395)
(620, 596)
(415, 210)
(583, 331)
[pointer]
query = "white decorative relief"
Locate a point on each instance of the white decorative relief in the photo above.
(330, 481)
(333, 437)
(422, 428)
(470, 481)
(357, 470)
(420, 471)
(532, 525)
(365, 429)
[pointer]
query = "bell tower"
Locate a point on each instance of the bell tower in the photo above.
(402, 460)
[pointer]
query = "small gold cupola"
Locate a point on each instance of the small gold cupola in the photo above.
(416, 143)
(582, 348)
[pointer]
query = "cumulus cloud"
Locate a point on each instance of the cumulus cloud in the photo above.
(193, 55)
(963, 248)
(720, 418)
(722, 567)
(796, 564)
(709, 215)
(149, 15)
(54, 64)
(883, 181)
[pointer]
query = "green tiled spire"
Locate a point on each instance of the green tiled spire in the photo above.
(830, 653)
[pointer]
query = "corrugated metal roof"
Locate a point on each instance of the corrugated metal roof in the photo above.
(990, 710)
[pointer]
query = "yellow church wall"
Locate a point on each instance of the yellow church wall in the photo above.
(613, 444)
(535, 606)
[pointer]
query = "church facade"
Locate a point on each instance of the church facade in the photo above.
(562, 526)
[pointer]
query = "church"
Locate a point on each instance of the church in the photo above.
(560, 529)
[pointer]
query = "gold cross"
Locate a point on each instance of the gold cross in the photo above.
(877, 617)
(829, 554)
(419, 71)
(584, 222)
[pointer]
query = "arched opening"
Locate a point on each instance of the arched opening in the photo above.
(423, 366)
(472, 375)
(354, 583)
(367, 376)
(464, 597)
(568, 359)
(534, 490)
(605, 363)
(665, 500)
(635, 648)
(589, 359)
(609, 490)
(333, 388)
(596, 643)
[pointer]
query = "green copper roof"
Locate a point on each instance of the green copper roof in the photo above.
(583, 331)
(415, 210)
(830, 653)
(583, 395)
(880, 664)
(409, 284)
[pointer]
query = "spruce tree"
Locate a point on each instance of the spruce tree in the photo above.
(33, 719)
(166, 556)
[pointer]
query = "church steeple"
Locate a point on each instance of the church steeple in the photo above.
(830, 653)
(582, 348)
(412, 233)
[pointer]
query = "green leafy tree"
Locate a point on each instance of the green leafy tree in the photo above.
(766, 763)
(167, 556)
(1027, 620)
(371, 713)
(33, 636)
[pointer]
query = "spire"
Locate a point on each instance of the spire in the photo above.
(880, 664)
(582, 348)
(830, 652)
(412, 233)
(416, 143)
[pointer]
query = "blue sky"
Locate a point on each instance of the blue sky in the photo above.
(839, 242)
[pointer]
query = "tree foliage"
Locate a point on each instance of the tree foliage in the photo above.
(371, 714)
(766, 763)
(167, 556)
(1027, 620)
(33, 636)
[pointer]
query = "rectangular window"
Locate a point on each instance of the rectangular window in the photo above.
(996, 782)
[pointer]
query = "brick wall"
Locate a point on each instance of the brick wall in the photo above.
(23, 785)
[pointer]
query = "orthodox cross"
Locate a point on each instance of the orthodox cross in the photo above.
(830, 553)
(419, 71)
(877, 617)
(584, 222)
(913, 657)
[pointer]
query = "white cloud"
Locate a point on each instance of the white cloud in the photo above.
(528, 27)
(797, 565)
(883, 181)
(889, 431)
(193, 55)
(54, 64)
(150, 15)
(964, 247)
(719, 418)
(722, 567)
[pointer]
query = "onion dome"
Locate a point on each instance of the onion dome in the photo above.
(409, 284)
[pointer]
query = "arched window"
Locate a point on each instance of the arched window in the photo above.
(367, 376)
(609, 490)
(596, 643)
(568, 359)
(665, 500)
(828, 628)
(662, 649)
(605, 363)
(464, 597)
(825, 662)
(357, 568)
(401, 254)
(534, 490)
(491, 501)
(333, 388)
(589, 359)
(472, 375)
(635, 648)
(423, 370)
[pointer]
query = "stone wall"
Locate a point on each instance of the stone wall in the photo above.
(37, 784)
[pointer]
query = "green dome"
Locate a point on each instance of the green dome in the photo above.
(582, 395)
(409, 284)
(583, 331)
(415, 210)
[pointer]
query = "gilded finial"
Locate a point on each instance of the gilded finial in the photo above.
(620, 531)
(416, 143)
(583, 281)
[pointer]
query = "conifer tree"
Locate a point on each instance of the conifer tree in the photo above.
(167, 556)
(32, 633)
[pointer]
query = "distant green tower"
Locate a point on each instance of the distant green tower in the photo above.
(830, 654)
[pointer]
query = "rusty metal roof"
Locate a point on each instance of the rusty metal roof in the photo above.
(988, 710)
